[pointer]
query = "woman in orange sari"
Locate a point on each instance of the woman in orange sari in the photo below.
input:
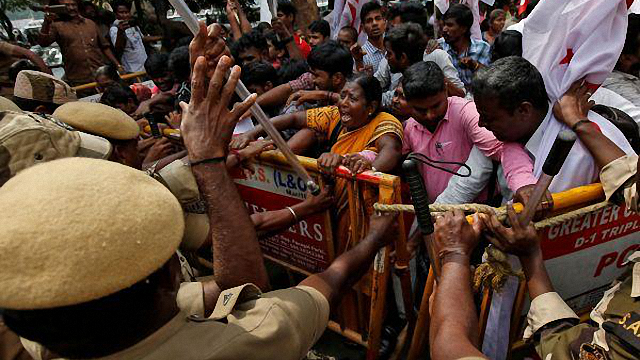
(356, 133)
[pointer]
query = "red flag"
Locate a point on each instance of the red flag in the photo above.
(523, 6)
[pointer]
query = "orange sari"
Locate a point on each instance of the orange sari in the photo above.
(323, 121)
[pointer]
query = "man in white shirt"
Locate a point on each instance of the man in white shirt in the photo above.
(128, 39)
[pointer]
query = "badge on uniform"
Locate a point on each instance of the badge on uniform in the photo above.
(590, 351)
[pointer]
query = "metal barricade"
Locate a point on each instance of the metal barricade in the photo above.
(310, 246)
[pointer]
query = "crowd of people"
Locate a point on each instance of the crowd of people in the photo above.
(109, 207)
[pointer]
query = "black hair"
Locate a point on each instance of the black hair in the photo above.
(22, 64)
(393, 11)
(352, 32)
(320, 26)
(631, 42)
(179, 64)
(116, 3)
(156, 65)
(371, 88)
(291, 69)
(258, 73)
(422, 79)
(110, 71)
(331, 57)
(271, 37)
(414, 12)
(263, 26)
(508, 43)
(32, 105)
(407, 39)
(461, 14)
(369, 7)
(512, 80)
(252, 39)
(287, 8)
(118, 94)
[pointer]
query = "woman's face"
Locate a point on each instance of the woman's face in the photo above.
(353, 107)
(104, 82)
(498, 23)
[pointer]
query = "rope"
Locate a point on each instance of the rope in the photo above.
(495, 271)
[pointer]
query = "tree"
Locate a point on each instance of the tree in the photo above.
(5, 7)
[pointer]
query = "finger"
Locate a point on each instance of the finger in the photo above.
(496, 242)
(458, 215)
(513, 218)
(478, 224)
(217, 80)
(242, 107)
(184, 106)
(230, 86)
(198, 80)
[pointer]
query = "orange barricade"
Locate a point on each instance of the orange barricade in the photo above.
(310, 245)
(137, 75)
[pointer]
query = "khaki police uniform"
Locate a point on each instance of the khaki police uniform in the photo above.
(616, 333)
(113, 230)
(43, 87)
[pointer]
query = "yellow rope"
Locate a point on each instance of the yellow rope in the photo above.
(495, 271)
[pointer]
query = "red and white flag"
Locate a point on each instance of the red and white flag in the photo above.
(347, 13)
(522, 6)
(573, 39)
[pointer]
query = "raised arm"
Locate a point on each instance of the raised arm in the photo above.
(47, 35)
(276, 96)
(453, 315)
(297, 120)
(230, 9)
(30, 55)
(207, 127)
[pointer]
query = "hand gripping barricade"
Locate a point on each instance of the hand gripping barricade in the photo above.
(310, 245)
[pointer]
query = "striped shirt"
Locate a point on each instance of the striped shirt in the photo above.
(478, 50)
(374, 55)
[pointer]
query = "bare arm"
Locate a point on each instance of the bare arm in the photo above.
(236, 32)
(390, 153)
(349, 267)
(30, 55)
(107, 52)
(296, 120)
(207, 127)
(276, 96)
(121, 38)
(45, 36)
(454, 313)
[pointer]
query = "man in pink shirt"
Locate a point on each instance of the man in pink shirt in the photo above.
(446, 129)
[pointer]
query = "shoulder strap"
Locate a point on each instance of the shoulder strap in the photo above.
(333, 138)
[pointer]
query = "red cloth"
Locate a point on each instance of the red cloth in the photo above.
(305, 49)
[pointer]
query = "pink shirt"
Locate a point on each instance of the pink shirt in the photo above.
(452, 141)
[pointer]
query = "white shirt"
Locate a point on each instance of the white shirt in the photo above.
(134, 54)
(604, 96)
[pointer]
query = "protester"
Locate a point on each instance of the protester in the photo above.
(496, 23)
(158, 70)
(347, 36)
(467, 54)
(10, 54)
(319, 32)
(283, 27)
(249, 48)
(81, 43)
(127, 38)
(120, 97)
(368, 57)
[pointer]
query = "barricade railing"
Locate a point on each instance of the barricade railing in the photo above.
(135, 75)
(273, 186)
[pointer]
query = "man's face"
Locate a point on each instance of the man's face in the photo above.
(249, 55)
(164, 82)
(395, 22)
(375, 24)
(128, 108)
(344, 38)
(399, 105)
(315, 39)
(122, 13)
(452, 32)
(395, 64)
(72, 8)
(287, 20)
(322, 80)
(505, 126)
(429, 110)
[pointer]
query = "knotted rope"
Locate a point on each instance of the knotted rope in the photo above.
(496, 269)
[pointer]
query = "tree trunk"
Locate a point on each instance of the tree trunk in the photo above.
(307, 12)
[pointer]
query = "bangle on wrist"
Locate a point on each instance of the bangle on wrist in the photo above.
(574, 128)
(295, 217)
(214, 160)
(237, 154)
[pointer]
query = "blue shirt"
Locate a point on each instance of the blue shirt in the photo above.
(478, 50)
(374, 55)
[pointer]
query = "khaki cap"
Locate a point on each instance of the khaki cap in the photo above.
(6, 104)
(39, 86)
(98, 119)
(27, 139)
(75, 230)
